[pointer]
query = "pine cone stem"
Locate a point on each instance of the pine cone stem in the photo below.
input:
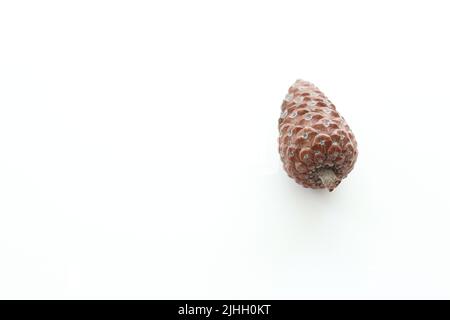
(328, 178)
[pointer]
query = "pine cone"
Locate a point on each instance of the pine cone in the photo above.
(316, 145)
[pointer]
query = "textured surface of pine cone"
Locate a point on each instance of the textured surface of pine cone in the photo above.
(316, 145)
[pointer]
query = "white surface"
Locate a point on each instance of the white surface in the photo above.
(138, 150)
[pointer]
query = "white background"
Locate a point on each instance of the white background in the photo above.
(138, 150)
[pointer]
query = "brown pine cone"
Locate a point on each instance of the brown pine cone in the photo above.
(316, 145)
